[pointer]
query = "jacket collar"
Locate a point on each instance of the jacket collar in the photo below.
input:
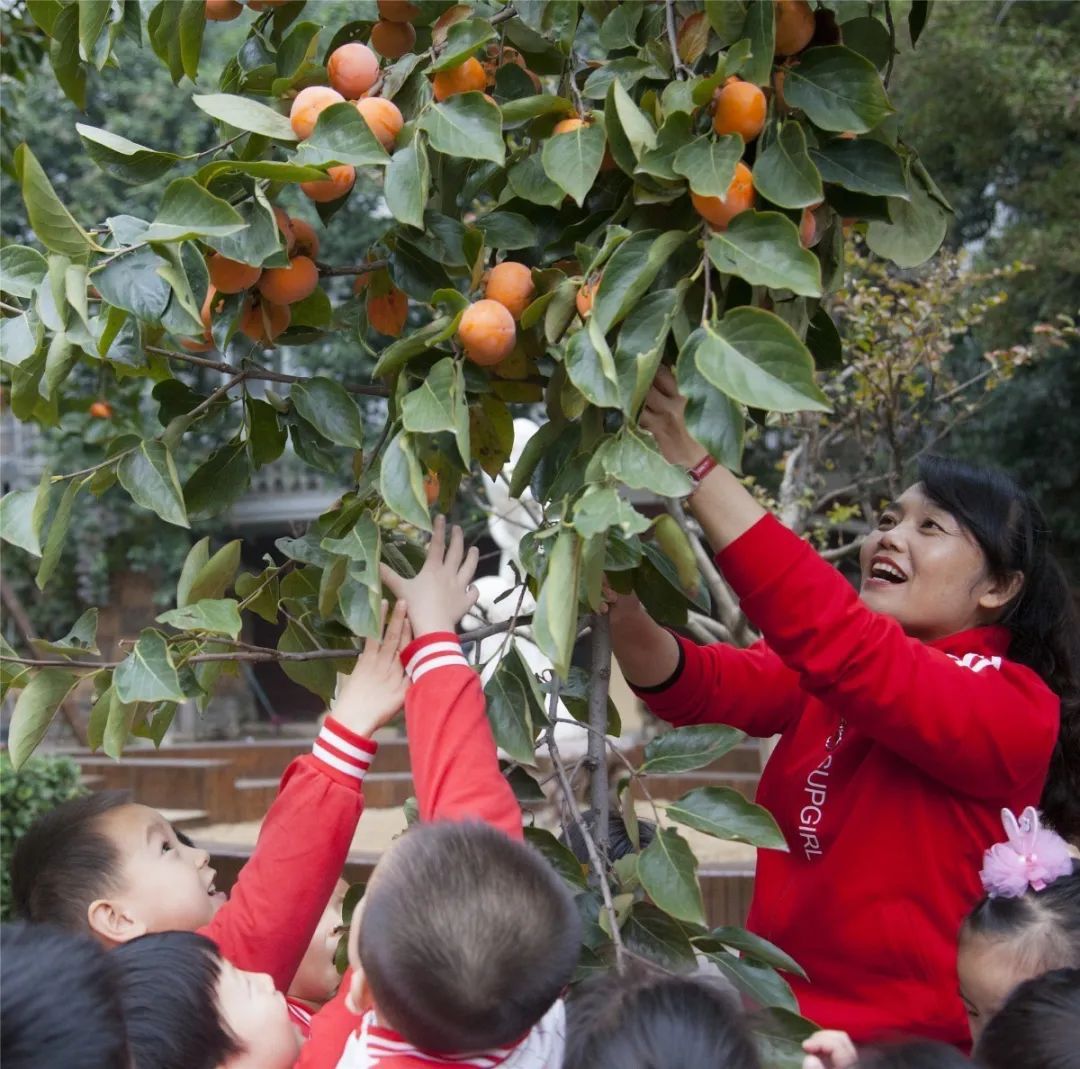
(993, 640)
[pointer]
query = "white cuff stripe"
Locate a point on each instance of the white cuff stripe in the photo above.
(324, 755)
(426, 651)
(439, 662)
(331, 738)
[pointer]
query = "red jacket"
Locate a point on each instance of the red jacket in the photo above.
(281, 892)
(894, 762)
(456, 776)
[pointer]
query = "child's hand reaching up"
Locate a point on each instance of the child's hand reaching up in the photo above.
(829, 1050)
(375, 689)
(441, 592)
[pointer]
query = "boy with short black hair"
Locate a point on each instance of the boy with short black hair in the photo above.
(82, 1026)
(465, 937)
(117, 870)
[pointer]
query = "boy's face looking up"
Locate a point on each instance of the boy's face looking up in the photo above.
(317, 979)
(161, 884)
(255, 1012)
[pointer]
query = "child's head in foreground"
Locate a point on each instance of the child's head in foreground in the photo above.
(61, 1001)
(105, 865)
(1037, 1028)
(186, 1007)
(648, 1019)
(465, 940)
(1029, 922)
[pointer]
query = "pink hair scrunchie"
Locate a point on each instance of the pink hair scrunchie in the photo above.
(1032, 857)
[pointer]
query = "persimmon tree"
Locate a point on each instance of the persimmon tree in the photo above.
(575, 192)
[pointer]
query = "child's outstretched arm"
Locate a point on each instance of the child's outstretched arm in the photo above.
(281, 892)
(452, 751)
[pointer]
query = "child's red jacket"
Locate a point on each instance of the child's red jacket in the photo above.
(894, 762)
(280, 894)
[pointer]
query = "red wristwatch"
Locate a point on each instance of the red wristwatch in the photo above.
(700, 470)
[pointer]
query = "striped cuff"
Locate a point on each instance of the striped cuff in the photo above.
(344, 750)
(437, 650)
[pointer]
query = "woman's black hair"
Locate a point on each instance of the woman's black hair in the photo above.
(647, 1019)
(913, 1054)
(1037, 1028)
(1046, 923)
(61, 1004)
(168, 987)
(1013, 535)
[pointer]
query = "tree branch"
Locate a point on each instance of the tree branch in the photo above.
(600, 678)
(678, 67)
(846, 550)
(328, 271)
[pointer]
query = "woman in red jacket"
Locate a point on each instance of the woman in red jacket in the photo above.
(909, 714)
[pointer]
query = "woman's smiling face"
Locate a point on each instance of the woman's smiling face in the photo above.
(927, 572)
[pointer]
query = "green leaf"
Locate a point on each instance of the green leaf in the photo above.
(687, 748)
(635, 126)
(21, 519)
(419, 341)
(760, 30)
(320, 677)
(618, 30)
(360, 603)
(641, 344)
(529, 181)
(123, 159)
(572, 159)
(917, 16)
(342, 135)
(192, 24)
(762, 983)
(838, 89)
(713, 418)
(35, 710)
(559, 857)
(246, 114)
(58, 527)
(188, 211)
(630, 272)
(148, 673)
(22, 271)
(784, 172)
(53, 224)
(462, 40)
(651, 933)
(591, 368)
(259, 243)
(870, 37)
(779, 1034)
(439, 404)
(754, 946)
(671, 139)
(272, 170)
(724, 813)
(220, 616)
(555, 618)
(515, 706)
(491, 434)
(148, 474)
(667, 869)
(401, 482)
(763, 248)
(81, 639)
(631, 457)
(863, 166)
(601, 507)
(61, 358)
(222, 480)
(515, 112)
(93, 16)
(756, 358)
(64, 55)
(262, 590)
(916, 232)
(132, 282)
(466, 126)
(709, 164)
(627, 71)
(20, 337)
(330, 409)
(266, 435)
(408, 182)
(507, 230)
(362, 546)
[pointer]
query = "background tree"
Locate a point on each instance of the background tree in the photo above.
(670, 179)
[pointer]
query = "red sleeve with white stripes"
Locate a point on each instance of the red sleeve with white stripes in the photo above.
(452, 751)
(281, 892)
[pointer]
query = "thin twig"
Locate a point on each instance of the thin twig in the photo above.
(216, 396)
(590, 844)
(217, 148)
(328, 271)
(382, 440)
(680, 69)
(892, 41)
(708, 286)
(846, 550)
(600, 678)
(11, 308)
(507, 12)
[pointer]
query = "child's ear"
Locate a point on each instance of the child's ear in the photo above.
(113, 923)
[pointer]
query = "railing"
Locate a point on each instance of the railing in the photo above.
(21, 457)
